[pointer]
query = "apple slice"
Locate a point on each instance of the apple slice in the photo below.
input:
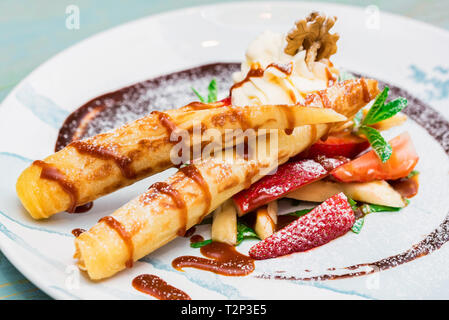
(266, 220)
(289, 177)
(345, 145)
(374, 192)
(224, 224)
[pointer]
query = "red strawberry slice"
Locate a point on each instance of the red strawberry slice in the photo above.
(345, 145)
(330, 220)
(289, 177)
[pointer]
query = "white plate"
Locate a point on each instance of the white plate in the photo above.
(409, 54)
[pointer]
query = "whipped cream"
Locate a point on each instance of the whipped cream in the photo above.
(270, 76)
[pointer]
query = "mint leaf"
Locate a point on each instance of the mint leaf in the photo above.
(300, 213)
(198, 95)
(378, 143)
(357, 226)
(244, 232)
(200, 243)
(381, 111)
(370, 208)
(352, 203)
(213, 91)
(377, 105)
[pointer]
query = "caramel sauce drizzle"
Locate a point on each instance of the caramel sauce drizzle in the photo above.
(256, 71)
(106, 153)
(290, 116)
(158, 288)
(223, 259)
(165, 188)
(76, 232)
(286, 68)
(192, 172)
(166, 121)
(331, 79)
(126, 237)
(53, 174)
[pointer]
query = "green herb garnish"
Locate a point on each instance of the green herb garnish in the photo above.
(200, 244)
(212, 92)
(300, 213)
(212, 89)
(245, 232)
(352, 203)
(198, 95)
(370, 208)
(378, 143)
(379, 111)
(358, 224)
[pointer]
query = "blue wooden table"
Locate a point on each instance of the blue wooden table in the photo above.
(31, 31)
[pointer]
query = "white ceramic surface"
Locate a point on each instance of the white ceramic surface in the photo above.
(401, 51)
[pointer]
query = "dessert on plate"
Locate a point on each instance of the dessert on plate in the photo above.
(293, 126)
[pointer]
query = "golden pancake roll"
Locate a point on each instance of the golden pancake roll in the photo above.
(88, 169)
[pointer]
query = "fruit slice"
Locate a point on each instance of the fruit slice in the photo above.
(289, 177)
(374, 192)
(345, 145)
(224, 224)
(330, 220)
(266, 220)
(369, 167)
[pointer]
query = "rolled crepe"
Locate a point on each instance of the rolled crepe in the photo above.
(88, 169)
(168, 208)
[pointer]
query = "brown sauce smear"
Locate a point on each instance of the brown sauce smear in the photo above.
(51, 173)
(192, 172)
(106, 153)
(165, 188)
(76, 232)
(126, 237)
(196, 238)
(158, 288)
(407, 188)
(189, 232)
(223, 259)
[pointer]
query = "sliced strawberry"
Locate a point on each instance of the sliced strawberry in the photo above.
(289, 177)
(345, 145)
(226, 101)
(369, 167)
(330, 220)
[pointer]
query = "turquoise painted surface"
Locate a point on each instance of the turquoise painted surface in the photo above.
(33, 31)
